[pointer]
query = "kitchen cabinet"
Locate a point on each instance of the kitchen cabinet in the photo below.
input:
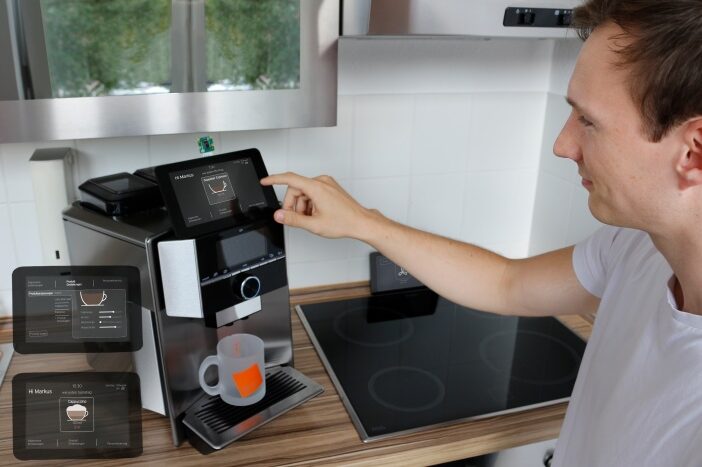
(85, 69)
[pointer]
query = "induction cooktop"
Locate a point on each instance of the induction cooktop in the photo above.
(411, 360)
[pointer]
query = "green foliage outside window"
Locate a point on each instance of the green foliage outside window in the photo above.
(255, 43)
(102, 47)
(96, 46)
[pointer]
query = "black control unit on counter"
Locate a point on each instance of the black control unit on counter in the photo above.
(120, 194)
(387, 276)
(537, 17)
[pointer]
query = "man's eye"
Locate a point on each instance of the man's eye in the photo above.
(584, 121)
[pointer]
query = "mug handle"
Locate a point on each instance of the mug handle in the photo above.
(206, 363)
(86, 415)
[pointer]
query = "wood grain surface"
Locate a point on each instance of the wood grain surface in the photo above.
(319, 432)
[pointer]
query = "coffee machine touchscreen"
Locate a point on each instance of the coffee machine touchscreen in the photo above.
(74, 310)
(76, 415)
(207, 195)
(215, 191)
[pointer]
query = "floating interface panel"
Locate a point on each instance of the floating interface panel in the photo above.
(59, 309)
(76, 415)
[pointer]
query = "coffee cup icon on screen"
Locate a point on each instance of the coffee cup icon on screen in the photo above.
(76, 412)
(93, 297)
(219, 186)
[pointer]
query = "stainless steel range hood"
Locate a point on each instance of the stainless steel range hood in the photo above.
(480, 18)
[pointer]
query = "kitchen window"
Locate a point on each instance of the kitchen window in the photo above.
(79, 48)
(233, 64)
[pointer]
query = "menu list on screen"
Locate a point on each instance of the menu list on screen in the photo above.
(66, 309)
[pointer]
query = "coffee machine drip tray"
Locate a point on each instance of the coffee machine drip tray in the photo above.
(213, 424)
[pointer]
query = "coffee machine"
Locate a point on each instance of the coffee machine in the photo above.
(212, 264)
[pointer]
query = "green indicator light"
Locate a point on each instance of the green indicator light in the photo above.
(206, 144)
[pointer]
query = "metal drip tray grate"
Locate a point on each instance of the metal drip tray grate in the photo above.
(217, 423)
(218, 416)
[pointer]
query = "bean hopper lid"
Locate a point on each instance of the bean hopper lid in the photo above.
(120, 194)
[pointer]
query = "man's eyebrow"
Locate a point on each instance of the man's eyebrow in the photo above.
(577, 107)
(572, 103)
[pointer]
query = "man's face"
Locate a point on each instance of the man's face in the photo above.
(624, 172)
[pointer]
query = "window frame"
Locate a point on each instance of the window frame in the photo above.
(45, 118)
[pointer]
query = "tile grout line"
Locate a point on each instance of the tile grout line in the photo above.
(410, 174)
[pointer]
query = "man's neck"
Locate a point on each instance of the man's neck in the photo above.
(684, 255)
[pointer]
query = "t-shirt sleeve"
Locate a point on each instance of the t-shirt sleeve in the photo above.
(591, 259)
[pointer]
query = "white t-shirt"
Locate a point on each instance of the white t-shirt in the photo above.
(637, 400)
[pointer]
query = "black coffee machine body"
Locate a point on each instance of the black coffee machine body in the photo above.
(201, 281)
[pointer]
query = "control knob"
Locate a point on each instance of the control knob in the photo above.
(247, 286)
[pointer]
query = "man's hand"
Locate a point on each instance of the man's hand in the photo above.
(463, 273)
(321, 206)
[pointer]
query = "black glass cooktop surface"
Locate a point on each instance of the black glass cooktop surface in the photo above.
(409, 360)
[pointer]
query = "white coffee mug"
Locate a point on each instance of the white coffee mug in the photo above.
(242, 371)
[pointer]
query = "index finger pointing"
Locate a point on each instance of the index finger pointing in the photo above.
(292, 180)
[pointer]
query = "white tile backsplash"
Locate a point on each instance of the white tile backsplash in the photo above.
(358, 268)
(273, 145)
(514, 250)
(358, 249)
(26, 234)
(317, 151)
(505, 131)
(561, 215)
(98, 157)
(442, 134)
(443, 65)
(381, 137)
(557, 111)
(3, 191)
(304, 246)
(388, 195)
(436, 203)
(551, 212)
(565, 54)
(498, 207)
(165, 149)
(581, 223)
(309, 274)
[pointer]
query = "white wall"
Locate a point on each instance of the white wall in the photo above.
(561, 213)
(444, 135)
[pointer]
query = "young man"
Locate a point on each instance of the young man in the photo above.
(635, 133)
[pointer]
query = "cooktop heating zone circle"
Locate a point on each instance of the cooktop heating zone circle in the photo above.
(353, 326)
(421, 389)
(499, 352)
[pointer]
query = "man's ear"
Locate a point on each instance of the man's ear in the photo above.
(689, 164)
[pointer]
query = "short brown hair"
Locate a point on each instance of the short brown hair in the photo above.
(664, 54)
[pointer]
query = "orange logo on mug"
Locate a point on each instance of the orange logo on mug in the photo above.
(248, 380)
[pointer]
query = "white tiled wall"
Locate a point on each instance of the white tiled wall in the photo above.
(442, 134)
(561, 215)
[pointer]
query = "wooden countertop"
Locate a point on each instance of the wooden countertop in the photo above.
(319, 432)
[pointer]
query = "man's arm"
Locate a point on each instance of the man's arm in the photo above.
(463, 273)
(471, 276)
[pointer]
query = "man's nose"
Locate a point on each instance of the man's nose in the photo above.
(566, 144)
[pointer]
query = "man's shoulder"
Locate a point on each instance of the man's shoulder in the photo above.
(631, 252)
(623, 239)
(619, 247)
